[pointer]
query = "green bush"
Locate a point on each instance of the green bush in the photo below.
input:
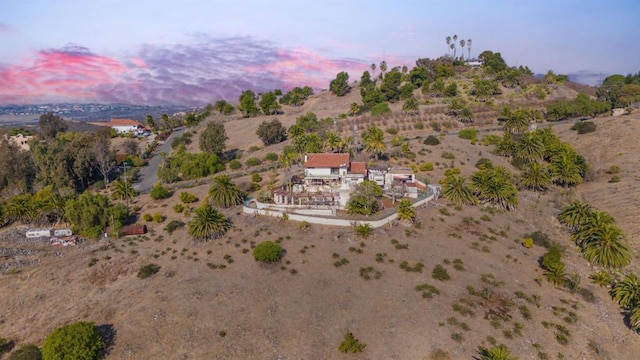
(552, 257)
(268, 252)
(380, 109)
(431, 140)
(448, 155)
(351, 345)
(148, 270)
(468, 134)
(256, 178)
(173, 225)
(440, 273)
(428, 166)
(253, 161)
(5, 345)
(235, 164)
(271, 157)
(147, 217)
(188, 198)
(178, 208)
(392, 131)
(484, 163)
(158, 217)
(26, 352)
(584, 127)
(160, 192)
(614, 179)
(79, 340)
(527, 242)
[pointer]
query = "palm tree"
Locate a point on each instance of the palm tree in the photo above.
(406, 212)
(634, 318)
(383, 68)
(565, 169)
(224, 192)
(448, 40)
(627, 292)
(124, 190)
(575, 214)
(21, 208)
(332, 142)
(530, 148)
(555, 273)
(373, 70)
(462, 43)
(499, 190)
(499, 352)
(469, 48)
(536, 177)
(355, 108)
(456, 190)
(589, 229)
(373, 139)
(517, 123)
(411, 106)
(455, 39)
(208, 223)
(608, 248)
(364, 230)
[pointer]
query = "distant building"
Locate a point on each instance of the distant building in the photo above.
(21, 141)
(123, 126)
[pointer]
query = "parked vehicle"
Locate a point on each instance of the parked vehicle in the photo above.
(36, 233)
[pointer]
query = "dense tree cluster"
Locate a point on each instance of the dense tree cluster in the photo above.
(340, 85)
(364, 199)
(619, 90)
(297, 96)
(581, 106)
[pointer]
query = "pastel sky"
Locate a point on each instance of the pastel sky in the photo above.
(194, 52)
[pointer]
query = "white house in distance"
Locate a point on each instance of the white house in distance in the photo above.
(123, 126)
(21, 141)
(333, 169)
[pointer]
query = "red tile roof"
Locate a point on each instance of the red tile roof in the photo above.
(326, 160)
(124, 122)
(358, 167)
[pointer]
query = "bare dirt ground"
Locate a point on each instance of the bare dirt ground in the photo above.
(194, 308)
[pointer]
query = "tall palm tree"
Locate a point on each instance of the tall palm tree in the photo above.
(469, 49)
(626, 292)
(448, 40)
(462, 43)
(373, 139)
(455, 40)
(608, 248)
(575, 214)
(383, 68)
(124, 190)
(535, 176)
(224, 193)
(373, 70)
(456, 190)
(208, 223)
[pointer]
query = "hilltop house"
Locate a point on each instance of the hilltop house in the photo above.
(333, 169)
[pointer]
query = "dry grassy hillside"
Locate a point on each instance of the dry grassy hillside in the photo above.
(211, 300)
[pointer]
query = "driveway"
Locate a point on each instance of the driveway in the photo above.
(148, 175)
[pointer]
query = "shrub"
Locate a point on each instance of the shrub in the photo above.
(431, 140)
(79, 340)
(392, 131)
(178, 208)
(468, 134)
(256, 178)
(448, 155)
(540, 239)
(268, 252)
(158, 217)
(351, 345)
(428, 166)
(148, 270)
(253, 161)
(584, 127)
(235, 164)
(380, 109)
(147, 217)
(614, 179)
(271, 157)
(364, 230)
(484, 163)
(188, 198)
(440, 273)
(26, 352)
(159, 192)
(173, 225)
(527, 242)
(5, 345)
(552, 257)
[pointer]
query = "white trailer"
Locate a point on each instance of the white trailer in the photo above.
(36, 233)
(62, 232)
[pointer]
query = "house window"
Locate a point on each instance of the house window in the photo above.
(335, 171)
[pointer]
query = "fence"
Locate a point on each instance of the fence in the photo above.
(262, 209)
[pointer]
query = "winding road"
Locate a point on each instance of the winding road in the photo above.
(148, 175)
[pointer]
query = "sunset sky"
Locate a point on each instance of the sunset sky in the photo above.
(191, 52)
